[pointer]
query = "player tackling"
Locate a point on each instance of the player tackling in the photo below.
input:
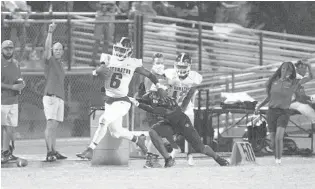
(182, 82)
(175, 122)
(117, 70)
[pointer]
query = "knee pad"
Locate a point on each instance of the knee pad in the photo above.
(102, 121)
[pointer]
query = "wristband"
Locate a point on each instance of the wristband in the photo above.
(94, 73)
(136, 103)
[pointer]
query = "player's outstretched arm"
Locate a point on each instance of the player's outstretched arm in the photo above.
(153, 78)
(142, 105)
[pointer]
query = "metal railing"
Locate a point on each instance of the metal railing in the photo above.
(235, 61)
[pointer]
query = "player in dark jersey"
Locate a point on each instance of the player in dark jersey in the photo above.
(175, 122)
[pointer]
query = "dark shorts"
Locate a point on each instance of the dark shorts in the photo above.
(183, 126)
(277, 117)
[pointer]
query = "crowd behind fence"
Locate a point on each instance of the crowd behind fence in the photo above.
(228, 62)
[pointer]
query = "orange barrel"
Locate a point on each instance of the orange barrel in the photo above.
(110, 151)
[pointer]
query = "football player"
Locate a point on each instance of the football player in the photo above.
(158, 70)
(175, 122)
(182, 82)
(117, 70)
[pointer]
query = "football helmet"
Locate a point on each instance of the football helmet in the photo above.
(183, 64)
(122, 49)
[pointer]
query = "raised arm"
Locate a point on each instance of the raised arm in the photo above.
(48, 43)
(143, 104)
(153, 78)
(148, 74)
(309, 77)
(156, 110)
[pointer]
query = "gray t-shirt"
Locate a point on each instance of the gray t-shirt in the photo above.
(281, 93)
(55, 76)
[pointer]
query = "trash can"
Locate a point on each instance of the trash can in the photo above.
(111, 150)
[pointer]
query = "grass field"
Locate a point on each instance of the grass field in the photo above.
(295, 172)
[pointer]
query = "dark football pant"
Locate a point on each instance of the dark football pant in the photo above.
(166, 129)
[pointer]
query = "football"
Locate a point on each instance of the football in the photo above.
(21, 162)
(103, 70)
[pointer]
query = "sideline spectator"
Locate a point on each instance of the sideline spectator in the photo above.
(302, 102)
(11, 86)
(54, 93)
(280, 88)
(15, 7)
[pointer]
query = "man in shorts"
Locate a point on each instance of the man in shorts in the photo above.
(11, 86)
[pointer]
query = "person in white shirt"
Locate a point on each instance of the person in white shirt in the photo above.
(301, 102)
(117, 71)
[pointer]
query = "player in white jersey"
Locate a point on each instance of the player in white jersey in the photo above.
(182, 82)
(117, 70)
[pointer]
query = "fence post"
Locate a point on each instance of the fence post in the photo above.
(69, 41)
(260, 48)
(200, 46)
(139, 35)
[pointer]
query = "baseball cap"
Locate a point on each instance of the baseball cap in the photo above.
(7, 44)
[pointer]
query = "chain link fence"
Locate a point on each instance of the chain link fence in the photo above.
(82, 92)
(84, 40)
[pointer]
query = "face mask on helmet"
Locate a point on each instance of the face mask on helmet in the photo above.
(182, 65)
(122, 49)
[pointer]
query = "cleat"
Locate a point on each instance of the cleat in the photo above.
(5, 156)
(278, 161)
(86, 154)
(148, 162)
(156, 163)
(170, 162)
(141, 144)
(51, 157)
(190, 160)
(152, 161)
(12, 158)
(221, 161)
(59, 156)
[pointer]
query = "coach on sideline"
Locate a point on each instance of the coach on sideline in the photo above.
(54, 93)
(11, 86)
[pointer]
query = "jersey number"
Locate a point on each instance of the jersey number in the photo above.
(115, 80)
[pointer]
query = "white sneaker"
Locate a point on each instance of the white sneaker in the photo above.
(278, 161)
(190, 160)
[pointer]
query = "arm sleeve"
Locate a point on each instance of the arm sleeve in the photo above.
(157, 110)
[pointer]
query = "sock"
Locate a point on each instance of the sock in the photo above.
(174, 153)
(134, 139)
(93, 145)
(99, 135)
